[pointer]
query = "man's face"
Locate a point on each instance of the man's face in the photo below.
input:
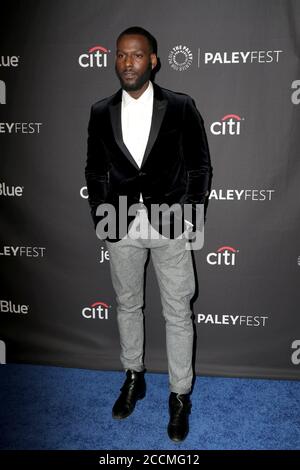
(134, 61)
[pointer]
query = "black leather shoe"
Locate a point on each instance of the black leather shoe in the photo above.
(133, 389)
(180, 408)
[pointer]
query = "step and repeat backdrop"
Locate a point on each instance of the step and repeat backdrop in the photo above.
(239, 60)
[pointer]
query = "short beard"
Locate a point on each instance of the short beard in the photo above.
(137, 85)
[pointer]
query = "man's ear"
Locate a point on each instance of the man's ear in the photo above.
(153, 60)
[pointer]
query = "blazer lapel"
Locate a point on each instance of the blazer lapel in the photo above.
(159, 109)
(115, 116)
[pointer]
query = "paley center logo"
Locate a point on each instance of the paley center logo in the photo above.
(180, 58)
(238, 57)
(225, 255)
(229, 124)
(23, 251)
(20, 127)
(241, 194)
(96, 57)
(97, 311)
(251, 320)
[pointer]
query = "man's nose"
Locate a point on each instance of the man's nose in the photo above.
(128, 61)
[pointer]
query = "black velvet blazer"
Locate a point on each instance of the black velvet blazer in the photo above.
(176, 166)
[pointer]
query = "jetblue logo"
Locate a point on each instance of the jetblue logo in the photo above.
(2, 353)
(2, 92)
(9, 61)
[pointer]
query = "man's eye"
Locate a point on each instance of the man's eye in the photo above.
(139, 55)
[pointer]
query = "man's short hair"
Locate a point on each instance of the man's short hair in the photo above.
(143, 32)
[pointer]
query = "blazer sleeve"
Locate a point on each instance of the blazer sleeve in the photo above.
(96, 173)
(196, 157)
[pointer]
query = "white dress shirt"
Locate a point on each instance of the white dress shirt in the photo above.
(136, 117)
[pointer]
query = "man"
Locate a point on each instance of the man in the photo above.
(149, 144)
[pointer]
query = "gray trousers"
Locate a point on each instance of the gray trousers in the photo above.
(174, 271)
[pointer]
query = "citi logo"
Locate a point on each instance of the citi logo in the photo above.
(83, 192)
(2, 92)
(9, 61)
(229, 124)
(96, 57)
(10, 307)
(11, 191)
(225, 255)
(97, 311)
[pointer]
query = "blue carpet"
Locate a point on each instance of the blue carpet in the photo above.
(44, 407)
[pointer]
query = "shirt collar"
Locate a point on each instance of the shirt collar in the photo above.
(143, 99)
